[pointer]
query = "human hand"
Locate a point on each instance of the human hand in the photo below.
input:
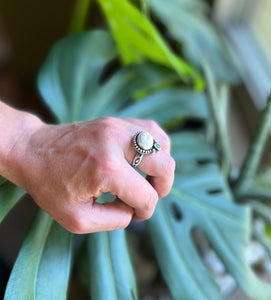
(65, 168)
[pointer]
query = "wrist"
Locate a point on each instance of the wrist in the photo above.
(16, 129)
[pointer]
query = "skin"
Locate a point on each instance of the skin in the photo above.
(65, 168)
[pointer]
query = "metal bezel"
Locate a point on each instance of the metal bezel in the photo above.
(138, 148)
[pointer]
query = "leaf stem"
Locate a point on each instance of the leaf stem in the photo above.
(79, 17)
(255, 191)
(255, 151)
(262, 210)
(145, 8)
(263, 241)
(218, 101)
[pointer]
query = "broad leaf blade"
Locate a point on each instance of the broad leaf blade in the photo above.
(138, 39)
(189, 24)
(169, 104)
(119, 89)
(71, 72)
(110, 263)
(96, 97)
(203, 200)
(55, 265)
(10, 194)
(30, 277)
(82, 68)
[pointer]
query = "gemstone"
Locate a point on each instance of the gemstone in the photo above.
(157, 146)
(145, 140)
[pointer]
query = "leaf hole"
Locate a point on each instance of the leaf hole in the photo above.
(194, 124)
(203, 161)
(213, 263)
(214, 191)
(176, 212)
(108, 70)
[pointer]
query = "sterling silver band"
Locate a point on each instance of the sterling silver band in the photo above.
(137, 160)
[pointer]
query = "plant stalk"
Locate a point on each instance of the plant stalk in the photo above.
(263, 241)
(145, 8)
(262, 210)
(218, 101)
(255, 151)
(79, 17)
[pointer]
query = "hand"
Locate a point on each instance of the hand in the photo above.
(65, 168)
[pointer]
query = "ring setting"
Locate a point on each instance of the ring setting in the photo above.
(144, 144)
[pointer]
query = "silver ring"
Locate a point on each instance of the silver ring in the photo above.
(144, 144)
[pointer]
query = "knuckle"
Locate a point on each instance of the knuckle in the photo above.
(123, 223)
(165, 142)
(151, 124)
(164, 192)
(109, 164)
(77, 225)
(169, 165)
(109, 128)
(150, 204)
(108, 120)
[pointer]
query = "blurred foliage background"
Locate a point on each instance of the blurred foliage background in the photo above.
(155, 65)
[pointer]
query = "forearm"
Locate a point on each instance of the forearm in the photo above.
(16, 127)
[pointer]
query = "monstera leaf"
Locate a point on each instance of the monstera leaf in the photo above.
(187, 22)
(169, 104)
(200, 198)
(74, 85)
(10, 194)
(77, 84)
(138, 39)
(43, 265)
(113, 264)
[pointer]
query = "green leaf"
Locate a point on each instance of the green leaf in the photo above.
(201, 199)
(80, 14)
(2, 180)
(42, 268)
(218, 97)
(169, 104)
(124, 84)
(72, 82)
(138, 39)
(112, 275)
(190, 151)
(71, 70)
(96, 97)
(77, 85)
(10, 194)
(188, 23)
(255, 151)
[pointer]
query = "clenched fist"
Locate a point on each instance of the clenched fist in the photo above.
(65, 168)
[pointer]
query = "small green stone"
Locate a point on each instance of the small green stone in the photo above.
(157, 146)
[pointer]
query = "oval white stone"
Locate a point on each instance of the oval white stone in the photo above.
(145, 140)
